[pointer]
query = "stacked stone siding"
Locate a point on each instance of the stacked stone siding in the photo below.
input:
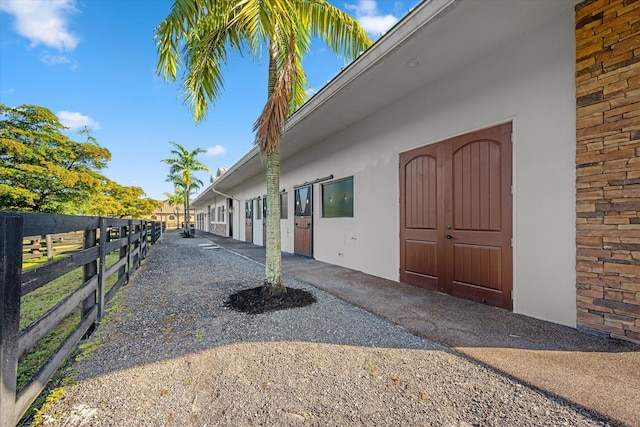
(219, 229)
(608, 167)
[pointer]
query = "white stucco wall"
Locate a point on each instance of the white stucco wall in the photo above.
(529, 82)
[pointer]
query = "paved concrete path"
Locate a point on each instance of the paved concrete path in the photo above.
(602, 375)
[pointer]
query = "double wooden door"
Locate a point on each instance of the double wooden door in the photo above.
(456, 216)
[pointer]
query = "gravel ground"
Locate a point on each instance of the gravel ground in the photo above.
(171, 354)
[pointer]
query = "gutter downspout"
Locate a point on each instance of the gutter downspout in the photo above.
(225, 195)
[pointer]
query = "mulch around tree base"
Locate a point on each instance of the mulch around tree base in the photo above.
(252, 301)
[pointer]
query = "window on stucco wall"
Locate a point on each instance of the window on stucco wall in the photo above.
(337, 199)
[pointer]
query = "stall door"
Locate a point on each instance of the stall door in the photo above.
(455, 216)
(303, 230)
(248, 221)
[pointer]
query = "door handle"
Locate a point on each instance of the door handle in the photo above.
(449, 236)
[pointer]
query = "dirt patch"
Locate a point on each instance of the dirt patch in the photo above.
(254, 301)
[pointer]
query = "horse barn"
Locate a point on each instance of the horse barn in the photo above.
(486, 149)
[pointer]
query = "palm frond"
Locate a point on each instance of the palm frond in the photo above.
(340, 31)
(269, 125)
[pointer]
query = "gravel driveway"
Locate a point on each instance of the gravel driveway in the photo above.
(171, 354)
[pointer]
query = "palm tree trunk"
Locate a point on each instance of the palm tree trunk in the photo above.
(184, 218)
(273, 283)
(187, 218)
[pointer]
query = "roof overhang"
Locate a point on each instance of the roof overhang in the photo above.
(432, 41)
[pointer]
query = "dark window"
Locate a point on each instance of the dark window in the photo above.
(264, 207)
(337, 198)
(284, 206)
(248, 207)
(172, 218)
(259, 210)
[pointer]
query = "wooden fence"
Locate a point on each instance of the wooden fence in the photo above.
(130, 239)
(35, 247)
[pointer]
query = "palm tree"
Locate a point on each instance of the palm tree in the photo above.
(181, 169)
(180, 189)
(174, 200)
(204, 30)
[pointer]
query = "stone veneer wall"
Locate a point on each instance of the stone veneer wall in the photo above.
(608, 167)
(219, 229)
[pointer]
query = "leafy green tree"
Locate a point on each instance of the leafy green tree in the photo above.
(201, 32)
(181, 173)
(41, 169)
(115, 200)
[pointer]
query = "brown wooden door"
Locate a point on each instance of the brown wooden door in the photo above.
(303, 230)
(456, 219)
(421, 212)
(248, 221)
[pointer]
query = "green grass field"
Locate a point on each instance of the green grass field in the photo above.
(38, 302)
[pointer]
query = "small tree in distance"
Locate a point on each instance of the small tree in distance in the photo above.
(174, 200)
(181, 173)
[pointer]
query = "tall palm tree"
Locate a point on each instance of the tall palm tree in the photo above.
(202, 31)
(181, 174)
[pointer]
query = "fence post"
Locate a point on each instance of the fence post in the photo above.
(145, 238)
(153, 232)
(123, 253)
(89, 270)
(104, 237)
(138, 244)
(49, 241)
(129, 242)
(11, 227)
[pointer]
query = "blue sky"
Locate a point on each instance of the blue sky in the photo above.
(93, 63)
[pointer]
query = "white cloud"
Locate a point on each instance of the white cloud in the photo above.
(50, 59)
(311, 91)
(76, 120)
(369, 17)
(215, 151)
(43, 22)
(377, 24)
